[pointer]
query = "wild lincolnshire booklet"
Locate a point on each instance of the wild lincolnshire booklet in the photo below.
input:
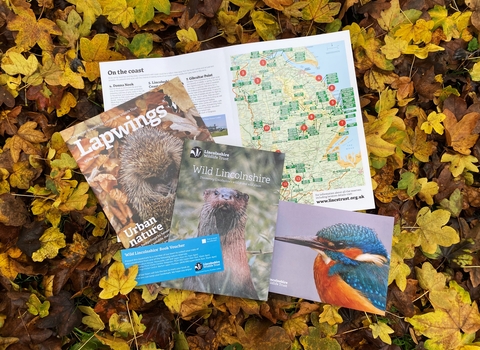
(228, 194)
(332, 256)
(130, 156)
(297, 96)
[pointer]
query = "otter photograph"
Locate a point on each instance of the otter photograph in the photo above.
(233, 192)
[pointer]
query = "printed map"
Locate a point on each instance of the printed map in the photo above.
(300, 101)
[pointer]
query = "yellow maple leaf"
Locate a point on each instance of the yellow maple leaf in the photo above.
(460, 162)
(4, 184)
(7, 264)
(434, 122)
(422, 52)
(393, 47)
(454, 317)
(433, 232)
(91, 9)
(95, 51)
(114, 343)
(31, 31)
(296, 326)
(26, 139)
(188, 40)
(22, 175)
(99, 221)
(330, 315)
(92, 319)
(374, 130)
(321, 11)
(76, 199)
(265, 24)
(175, 298)
(14, 63)
(422, 31)
(68, 101)
(382, 330)
(118, 12)
(50, 242)
(428, 190)
(119, 280)
(429, 279)
(145, 9)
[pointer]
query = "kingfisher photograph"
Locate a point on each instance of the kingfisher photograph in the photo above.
(341, 257)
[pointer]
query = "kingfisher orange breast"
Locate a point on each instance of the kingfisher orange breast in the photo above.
(334, 290)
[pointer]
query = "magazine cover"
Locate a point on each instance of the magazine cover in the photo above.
(130, 156)
(341, 257)
(232, 192)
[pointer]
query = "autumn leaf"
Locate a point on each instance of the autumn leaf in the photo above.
(330, 315)
(122, 326)
(67, 102)
(403, 247)
(454, 313)
(393, 47)
(408, 181)
(382, 330)
(452, 25)
(36, 307)
(475, 72)
(92, 319)
(91, 9)
(296, 326)
(99, 221)
(113, 342)
(7, 263)
(375, 128)
(428, 190)
(321, 11)
(245, 6)
(77, 199)
(188, 40)
(26, 140)
(95, 51)
(460, 134)
(70, 29)
(393, 17)
(415, 142)
(119, 280)
(318, 339)
(65, 161)
(433, 231)
(422, 52)
(22, 175)
(118, 12)
(51, 241)
(141, 45)
(31, 31)
(265, 24)
(145, 9)
(459, 162)
(14, 63)
(454, 203)
(434, 122)
(429, 279)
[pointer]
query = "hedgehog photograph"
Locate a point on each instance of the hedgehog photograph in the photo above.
(150, 162)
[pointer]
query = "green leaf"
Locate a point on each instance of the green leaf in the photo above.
(454, 203)
(66, 161)
(141, 45)
(408, 181)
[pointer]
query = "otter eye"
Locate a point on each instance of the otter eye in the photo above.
(216, 193)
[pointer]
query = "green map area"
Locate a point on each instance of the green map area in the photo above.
(299, 101)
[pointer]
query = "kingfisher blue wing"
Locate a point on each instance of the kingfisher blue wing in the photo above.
(367, 278)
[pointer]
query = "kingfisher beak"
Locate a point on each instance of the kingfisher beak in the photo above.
(310, 242)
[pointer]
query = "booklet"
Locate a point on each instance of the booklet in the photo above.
(297, 96)
(130, 156)
(228, 193)
(340, 257)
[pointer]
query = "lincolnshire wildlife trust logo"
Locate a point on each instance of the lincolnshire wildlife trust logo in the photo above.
(198, 266)
(196, 152)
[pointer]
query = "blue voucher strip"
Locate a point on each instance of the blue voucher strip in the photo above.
(177, 259)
